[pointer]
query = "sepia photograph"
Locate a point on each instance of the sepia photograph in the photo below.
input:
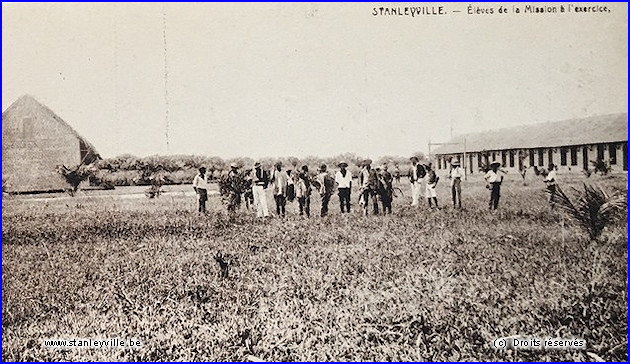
(321, 182)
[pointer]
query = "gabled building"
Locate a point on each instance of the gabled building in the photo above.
(35, 142)
(571, 145)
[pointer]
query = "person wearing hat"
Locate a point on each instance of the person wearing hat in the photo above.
(303, 191)
(260, 180)
(494, 181)
(343, 179)
(280, 181)
(432, 180)
(455, 174)
(200, 185)
(326, 187)
(368, 180)
(550, 181)
(386, 190)
(416, 178)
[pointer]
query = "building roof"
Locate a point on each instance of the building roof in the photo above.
(27, 105)
(592, 130)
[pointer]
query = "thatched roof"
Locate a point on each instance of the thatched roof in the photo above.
(27, 105)
(592, 130)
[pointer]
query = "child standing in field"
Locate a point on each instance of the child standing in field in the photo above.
(432, 180)
(200, 185)
(303, 192)
(494, 184)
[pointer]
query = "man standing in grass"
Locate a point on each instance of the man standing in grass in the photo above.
(455, 174)
(386, 190)
(303, 192)
(494, 184)
(368, 180)
(260, 182)
(326, 187)
(343, 179)
(280, 182)
(200, 185)
(550, 181)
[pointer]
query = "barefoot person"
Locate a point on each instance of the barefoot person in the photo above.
(200, 185)
(432, 180)
(303, 192)
(550, 181)
(280, 181)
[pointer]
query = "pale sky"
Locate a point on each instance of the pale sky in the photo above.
(282, 79)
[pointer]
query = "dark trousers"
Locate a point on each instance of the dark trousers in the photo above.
(305, 205)
(552, 194)
(495, 193)
(456, 191)
(203, 197)
(366, 199)
(281, 203)
(325, 201)
(344, 199)
(386, 200)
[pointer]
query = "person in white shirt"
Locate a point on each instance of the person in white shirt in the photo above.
(550, 181)
(280, 181)
(455, 174)
(343, 179)
(494, 184)
(200, 185)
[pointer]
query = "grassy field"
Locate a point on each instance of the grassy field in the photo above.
(414, 286)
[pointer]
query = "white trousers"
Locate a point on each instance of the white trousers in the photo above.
(416, 192)
(260, 201)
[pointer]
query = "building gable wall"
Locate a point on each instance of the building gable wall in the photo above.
(34, 143)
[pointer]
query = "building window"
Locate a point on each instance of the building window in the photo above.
(511, 158)
(531, 157)
(479, 163)
(494, 156)
(563, 156)
(541, 157)
(470, 163)
(612, 153)
(503, 159)
(585, 158)
(550, 155)
(487, 161)
(600, 151)
(574, 156)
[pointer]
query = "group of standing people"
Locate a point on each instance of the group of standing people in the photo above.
(375, 186)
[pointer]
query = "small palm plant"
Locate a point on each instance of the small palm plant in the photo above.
(593, 208)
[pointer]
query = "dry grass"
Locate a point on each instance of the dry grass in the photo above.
(417, 285)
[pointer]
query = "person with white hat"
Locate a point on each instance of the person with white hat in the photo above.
(343, 179)
(494, 181)
(455, 174)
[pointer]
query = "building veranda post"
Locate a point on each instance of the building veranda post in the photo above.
(35, 142)
(571, 145)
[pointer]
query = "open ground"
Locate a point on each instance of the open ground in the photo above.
(417, 285)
